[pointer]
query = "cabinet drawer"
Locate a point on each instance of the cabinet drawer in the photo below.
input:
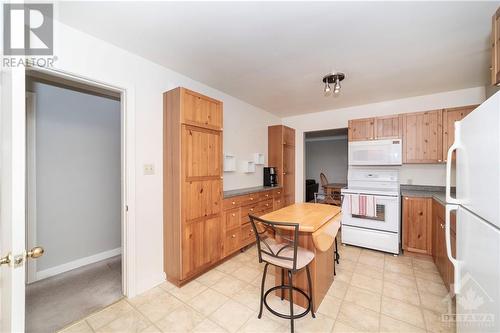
(250, 198)
(266, 195)
(247, 234)
(278, 193)
(232, 218)
(232, 241)
(231, 203)
(278, 202)
(265, 205)
(249, 209)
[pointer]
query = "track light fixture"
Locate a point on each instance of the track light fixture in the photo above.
(333, 78)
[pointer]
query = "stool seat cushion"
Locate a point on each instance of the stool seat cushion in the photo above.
(304, 257)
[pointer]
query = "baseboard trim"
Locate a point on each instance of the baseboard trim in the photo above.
(76, 264)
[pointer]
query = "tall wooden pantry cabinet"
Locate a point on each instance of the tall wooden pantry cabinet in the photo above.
(192, 183)
(281, 152)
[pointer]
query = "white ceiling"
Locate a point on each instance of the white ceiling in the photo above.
(274, 55)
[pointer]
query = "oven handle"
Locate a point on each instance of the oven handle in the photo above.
(381, 196)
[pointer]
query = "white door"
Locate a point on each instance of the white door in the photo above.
(477, 272)
(12, 198)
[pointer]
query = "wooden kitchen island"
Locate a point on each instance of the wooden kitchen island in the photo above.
(318, 226)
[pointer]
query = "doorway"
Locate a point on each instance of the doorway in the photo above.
(74, 200)
(325, 153)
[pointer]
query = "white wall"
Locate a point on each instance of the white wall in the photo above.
(329, 157)
(245, 131)
(78, 189)
(419, 174)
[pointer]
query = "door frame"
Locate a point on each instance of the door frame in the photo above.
(127, 119)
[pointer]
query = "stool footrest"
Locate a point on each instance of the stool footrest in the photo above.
(282, 315)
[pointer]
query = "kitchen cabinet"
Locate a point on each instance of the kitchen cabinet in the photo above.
(361, 129)
(192, 184)
(450, 116)
(495, 48)
(281, 151)
(389, 127)
(417, 225)
(423, 137)
(238, 231)
(439, 254)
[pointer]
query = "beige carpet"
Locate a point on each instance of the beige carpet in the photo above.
(60, 300)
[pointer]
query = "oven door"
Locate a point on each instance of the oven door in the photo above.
(387, 218)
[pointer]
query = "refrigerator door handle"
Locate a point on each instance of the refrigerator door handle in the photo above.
(454, 261)
(454, 146)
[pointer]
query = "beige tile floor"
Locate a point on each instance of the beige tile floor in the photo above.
(373, 292)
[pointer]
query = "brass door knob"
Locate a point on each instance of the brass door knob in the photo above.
(35, 252)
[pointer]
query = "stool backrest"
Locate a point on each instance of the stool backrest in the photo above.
(266, 233)
(323, 180)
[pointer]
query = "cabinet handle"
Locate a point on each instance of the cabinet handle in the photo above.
(420, 213)
(267, 205)
(234, 203)
(251, 199)
(267, 195)
(251, 209)
(234, 214)
(233, 236)
(441, 225)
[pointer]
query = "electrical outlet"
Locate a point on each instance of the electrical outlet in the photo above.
(149, 169)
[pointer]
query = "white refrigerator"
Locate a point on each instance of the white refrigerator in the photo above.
(477, 207)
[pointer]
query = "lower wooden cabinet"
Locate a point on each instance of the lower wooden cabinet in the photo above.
(417, 225)
(200, 245)
(238, 231)
(424, 232)
(443, 264)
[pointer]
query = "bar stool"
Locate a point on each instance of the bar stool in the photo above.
(277, 245)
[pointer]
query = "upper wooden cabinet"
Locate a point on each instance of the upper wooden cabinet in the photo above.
(423, 137)
(450, 116)
(389, 127)
(192, 173)
(495, 49)
(281, 151)
(417, 225)
(200, 110)
(361, 129)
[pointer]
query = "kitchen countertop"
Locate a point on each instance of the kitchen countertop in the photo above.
(248, 190)
(436, 192)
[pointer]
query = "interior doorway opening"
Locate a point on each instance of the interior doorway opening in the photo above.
(326, 153)
(74, 192)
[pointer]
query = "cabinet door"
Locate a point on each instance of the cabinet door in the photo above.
(495, 48)
(422, 137)
(201, 245)
(417, 233)
(361, 129)
(201, 110)
(288, 136)
(389, 127)
(450, 116)
(202, 152)
(289, 174)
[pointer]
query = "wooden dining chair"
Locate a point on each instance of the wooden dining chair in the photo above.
(323, 180)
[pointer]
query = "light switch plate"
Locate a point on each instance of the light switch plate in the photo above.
(149, 169)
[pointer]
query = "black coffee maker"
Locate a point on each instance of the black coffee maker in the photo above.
(270, 176)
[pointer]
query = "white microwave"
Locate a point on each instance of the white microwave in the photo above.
(376, 152)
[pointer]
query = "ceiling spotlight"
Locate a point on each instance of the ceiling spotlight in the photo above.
(327, 88)
(334, 79)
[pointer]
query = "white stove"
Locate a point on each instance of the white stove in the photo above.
(382, 231)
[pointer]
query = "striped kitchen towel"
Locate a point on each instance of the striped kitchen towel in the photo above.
(363, 205)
